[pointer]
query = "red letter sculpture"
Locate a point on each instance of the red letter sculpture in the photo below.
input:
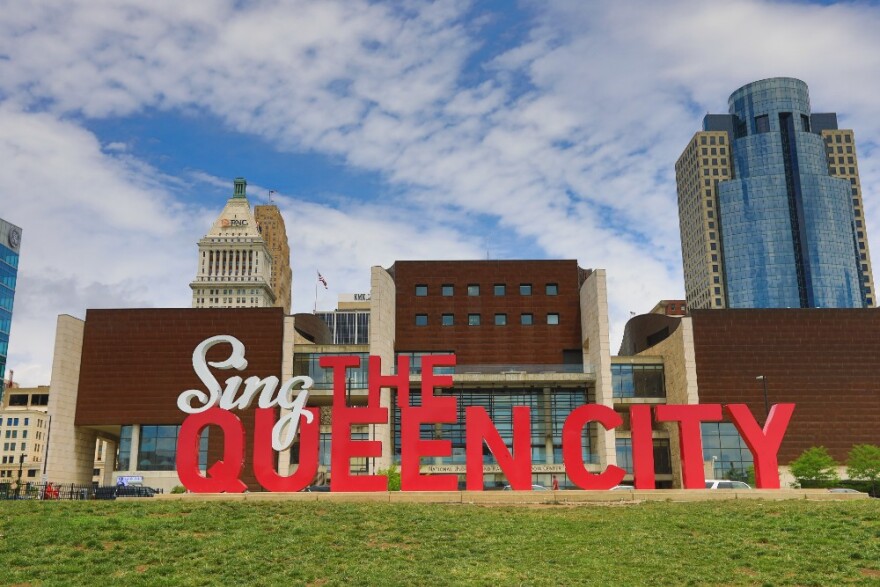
(222, 476)
(642, 446)
(265, 456)
(689, 418)
(343, 447)
(764, 444)
(517, 467)
(434, 409)
(572, 447)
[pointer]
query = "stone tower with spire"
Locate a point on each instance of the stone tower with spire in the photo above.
(234, 264)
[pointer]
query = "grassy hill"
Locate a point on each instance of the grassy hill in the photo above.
(287, 543)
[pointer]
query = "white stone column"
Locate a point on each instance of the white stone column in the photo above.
(110, 448)
(382, 328)
(70, 457)
(286, 373)
(597, 354)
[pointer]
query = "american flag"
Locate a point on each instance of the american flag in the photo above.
(322, 280)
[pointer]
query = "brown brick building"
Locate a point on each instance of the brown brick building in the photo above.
(823, 360)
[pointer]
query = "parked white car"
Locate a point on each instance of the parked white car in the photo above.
(726, 484)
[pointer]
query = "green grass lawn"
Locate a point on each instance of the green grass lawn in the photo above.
(287, 543)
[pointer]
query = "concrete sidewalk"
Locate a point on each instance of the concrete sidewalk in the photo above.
(524, 497)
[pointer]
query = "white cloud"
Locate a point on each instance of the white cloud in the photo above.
(567, 140)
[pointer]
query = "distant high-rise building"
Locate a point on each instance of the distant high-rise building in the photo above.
(235, 266)
(271, 225)
(770, 206)
(10, 243)
(350, 322)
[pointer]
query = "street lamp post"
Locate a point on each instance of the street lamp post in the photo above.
(20, 465)
(763, 379)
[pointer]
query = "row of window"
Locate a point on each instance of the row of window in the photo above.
(476, 319)
(21, 400)
(30, 473)
(499, 289)
(11, 446)
(15, 421)
(846, 138)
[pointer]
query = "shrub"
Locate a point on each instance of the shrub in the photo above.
(393, 474)
(179, 489)
(815, 467)
(863, 463)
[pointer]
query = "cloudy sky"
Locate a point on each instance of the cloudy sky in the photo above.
(389, 130)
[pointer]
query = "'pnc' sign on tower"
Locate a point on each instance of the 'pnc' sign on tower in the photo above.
(216, 406)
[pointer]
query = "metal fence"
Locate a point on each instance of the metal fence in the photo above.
(71, 491)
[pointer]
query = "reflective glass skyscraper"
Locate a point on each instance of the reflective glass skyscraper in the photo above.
(783, 220)
(10, 242)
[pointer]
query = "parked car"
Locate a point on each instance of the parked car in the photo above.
(135, 491)
(726, 484)
(534, 488)
(622, 488)
(317, 489)
(843, 490)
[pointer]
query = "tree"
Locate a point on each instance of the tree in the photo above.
(815, 466)
(863, 462)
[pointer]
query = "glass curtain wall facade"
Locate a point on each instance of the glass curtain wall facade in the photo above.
(787, 225)
(549, 409)
(10, 243)
(348, 327)
(156, 448)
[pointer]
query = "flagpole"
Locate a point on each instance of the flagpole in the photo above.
(315, 311)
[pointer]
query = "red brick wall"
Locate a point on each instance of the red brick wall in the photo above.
(825, 361)
(135, 363)
(487, 343)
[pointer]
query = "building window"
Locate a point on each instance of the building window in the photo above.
(421, 319)
(500, 289)
(762, 124)
(421, 290)
(525, 289)
(157, 448)
(473, 289)
(446, 290)
(473, 319)
(730, 456)
(637, 381)
(552, 289)
(553, 319)
(500, 319)
(447, 319)
(526, 319)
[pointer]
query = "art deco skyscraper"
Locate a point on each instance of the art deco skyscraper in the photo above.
(770, 206)
(235, 266)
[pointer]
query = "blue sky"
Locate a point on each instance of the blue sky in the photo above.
(389, 130)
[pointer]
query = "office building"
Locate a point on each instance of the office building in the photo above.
(770, 206)
(234, 262)
(270, 223)
(24, 429)
(349, 323)
(10, 245)
(525, 333)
